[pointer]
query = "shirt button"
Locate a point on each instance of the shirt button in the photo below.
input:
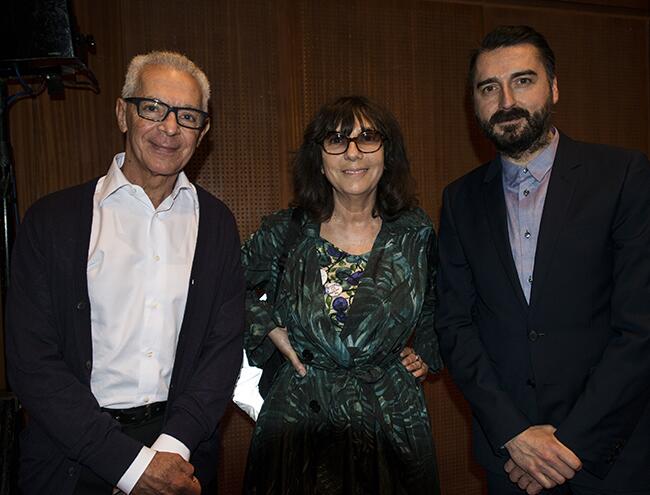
(526, 192)
(149, 354)
(527, 235)
(525, 170)
(156, 258)
(146, 399)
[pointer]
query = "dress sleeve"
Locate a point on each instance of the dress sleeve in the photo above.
(260, 255)
(426, 339)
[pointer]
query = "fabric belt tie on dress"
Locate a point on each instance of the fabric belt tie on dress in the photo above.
(353, 395)
(135, 415)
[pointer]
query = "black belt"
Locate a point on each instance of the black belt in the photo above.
(137, 414)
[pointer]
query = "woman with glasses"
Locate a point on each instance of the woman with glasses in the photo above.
(346, 413)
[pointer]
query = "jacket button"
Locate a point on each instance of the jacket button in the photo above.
(307, 356)
(531, 383)
(314, 406)
(81, 305)
(532, 335)
(89, 365)
(71, 471)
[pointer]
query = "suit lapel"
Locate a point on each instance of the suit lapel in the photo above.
(495, 209)
(564, 176)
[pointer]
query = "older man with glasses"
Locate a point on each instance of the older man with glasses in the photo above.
(124, 327)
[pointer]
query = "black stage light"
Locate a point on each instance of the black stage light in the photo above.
(39, 34)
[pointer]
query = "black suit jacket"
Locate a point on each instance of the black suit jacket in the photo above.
(49, 354)
(577, 357)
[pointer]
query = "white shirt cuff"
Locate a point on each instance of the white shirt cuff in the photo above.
(164, 443)
(167, 443)
(137, 467)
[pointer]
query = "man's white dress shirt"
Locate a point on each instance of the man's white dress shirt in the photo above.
(139, 264)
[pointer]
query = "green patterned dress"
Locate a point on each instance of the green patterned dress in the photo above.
(357, 422)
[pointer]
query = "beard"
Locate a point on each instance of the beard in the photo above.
(517, 139)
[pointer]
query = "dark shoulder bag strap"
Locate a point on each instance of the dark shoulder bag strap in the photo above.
(277, 359)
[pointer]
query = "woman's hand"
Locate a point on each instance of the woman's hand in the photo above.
(413, 363)
(280, 338)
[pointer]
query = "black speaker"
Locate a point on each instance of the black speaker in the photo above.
(39, 34)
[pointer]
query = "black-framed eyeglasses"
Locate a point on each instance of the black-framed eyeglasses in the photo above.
(157, 111)
(337, 143)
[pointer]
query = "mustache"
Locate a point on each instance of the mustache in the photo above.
(511, 114)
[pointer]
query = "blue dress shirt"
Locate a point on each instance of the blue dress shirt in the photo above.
(524, 188)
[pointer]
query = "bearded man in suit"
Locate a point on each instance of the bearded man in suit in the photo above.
(544, 289)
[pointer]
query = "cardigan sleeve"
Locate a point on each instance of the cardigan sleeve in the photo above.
(40, 366)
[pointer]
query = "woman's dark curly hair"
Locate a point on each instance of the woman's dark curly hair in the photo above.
(312, 190)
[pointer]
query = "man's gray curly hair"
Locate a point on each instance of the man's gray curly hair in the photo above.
(169, 59)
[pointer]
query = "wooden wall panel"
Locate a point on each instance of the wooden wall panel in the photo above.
(236, 45)
(641, 5)
(58, 143)
(237, 432)
(273, 63)
(442, 137)
(601, 62)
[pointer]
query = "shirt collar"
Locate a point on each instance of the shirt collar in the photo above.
(116, 180)
(184, 184)
(538, 166)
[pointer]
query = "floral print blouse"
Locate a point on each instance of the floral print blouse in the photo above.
(340, 273)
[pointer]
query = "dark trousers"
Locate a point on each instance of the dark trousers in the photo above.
(499, 484)
(146, 432)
